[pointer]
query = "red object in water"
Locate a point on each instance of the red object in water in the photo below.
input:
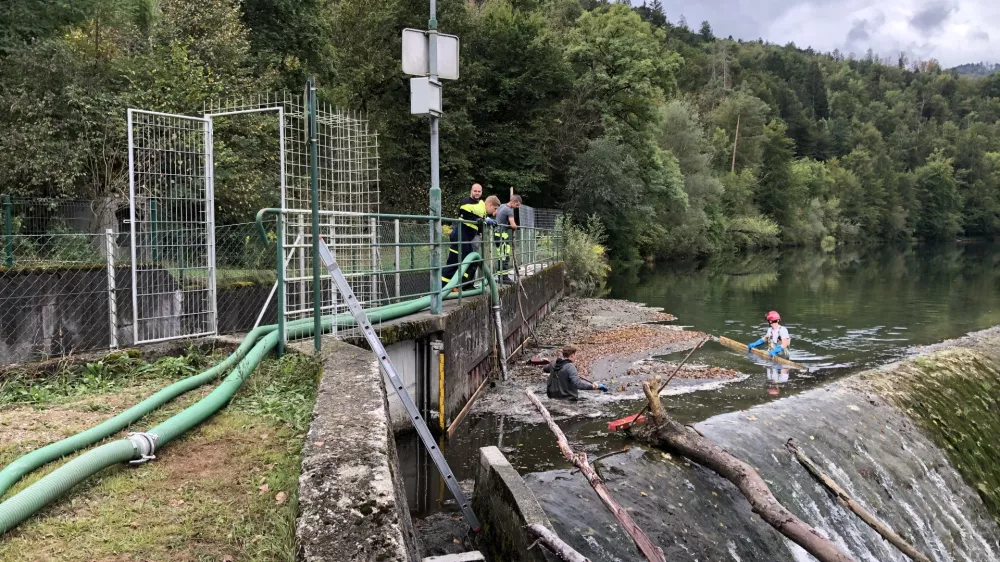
(539, 361)
(626, 422)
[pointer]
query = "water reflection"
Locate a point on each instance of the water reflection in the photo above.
(776, 378)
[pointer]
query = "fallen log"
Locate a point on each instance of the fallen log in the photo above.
(652, 552)
(737, 346)
(667, 433)
(844, 499)
(555, 544)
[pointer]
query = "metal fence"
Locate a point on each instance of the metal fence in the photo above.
(66, 283)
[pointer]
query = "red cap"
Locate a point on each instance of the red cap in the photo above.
(773, 316)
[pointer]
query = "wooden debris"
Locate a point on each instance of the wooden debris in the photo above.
(667, 433)
(652, 552)
(555, 544)
(737, 346)
(844, 499)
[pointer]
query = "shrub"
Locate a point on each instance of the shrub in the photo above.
(584, 255)
(751, 233)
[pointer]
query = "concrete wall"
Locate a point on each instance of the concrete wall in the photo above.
(55, 312)
(352, 500)
(468, 333)
(466, 330)
(505, 506)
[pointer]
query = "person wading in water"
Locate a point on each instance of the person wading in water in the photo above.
(564, 381)
(776, 338)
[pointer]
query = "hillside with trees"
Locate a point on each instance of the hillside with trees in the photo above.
(680, 143)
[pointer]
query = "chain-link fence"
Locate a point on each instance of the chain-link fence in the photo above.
(66, 278)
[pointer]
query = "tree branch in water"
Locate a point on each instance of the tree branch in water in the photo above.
(555, 544)
(667, 433)
(846, 500)
(652, 552)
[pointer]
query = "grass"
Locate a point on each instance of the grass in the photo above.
(225, 491)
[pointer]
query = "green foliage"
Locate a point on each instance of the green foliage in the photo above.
(584, 255)
(116, 371)
(284, 390)
(679, 142)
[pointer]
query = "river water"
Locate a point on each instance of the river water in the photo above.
(846, 311)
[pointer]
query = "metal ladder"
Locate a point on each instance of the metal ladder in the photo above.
(383, 358)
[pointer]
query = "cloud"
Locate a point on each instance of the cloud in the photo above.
(952, 31)
(932, 17)
(862, 29)
(978, 34)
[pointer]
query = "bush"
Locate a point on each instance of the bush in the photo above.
(752, 233)
(584, 255)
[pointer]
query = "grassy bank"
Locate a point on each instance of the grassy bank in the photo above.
(225, 491)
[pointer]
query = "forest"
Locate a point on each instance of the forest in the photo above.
(676, 142)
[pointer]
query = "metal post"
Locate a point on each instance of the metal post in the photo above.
(280, 243)
(314, 185)
(458, 264)
(376, 259)
(112, 298)
(436, 296)
(8, 230)
(395, 254)
(155, 239)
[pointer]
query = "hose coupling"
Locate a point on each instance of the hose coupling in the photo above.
(143, 445)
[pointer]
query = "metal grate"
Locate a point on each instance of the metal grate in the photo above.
(348, 184)
(172, 224)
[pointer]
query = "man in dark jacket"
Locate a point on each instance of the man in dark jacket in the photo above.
(564, 381)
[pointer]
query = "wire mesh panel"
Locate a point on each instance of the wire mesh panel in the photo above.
(348, 187)
(172, 226)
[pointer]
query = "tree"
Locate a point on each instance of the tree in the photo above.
(940, 208)
(606, 182)
(777, 195)
(706, 32)
(621, 65)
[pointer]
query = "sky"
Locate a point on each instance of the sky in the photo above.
(952, 31)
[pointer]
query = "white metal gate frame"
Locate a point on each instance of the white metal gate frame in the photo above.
(209, 223)
(263, 105)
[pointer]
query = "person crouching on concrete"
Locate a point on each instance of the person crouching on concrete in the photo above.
(564, 381)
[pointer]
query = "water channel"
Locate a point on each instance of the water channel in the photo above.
(847, 311)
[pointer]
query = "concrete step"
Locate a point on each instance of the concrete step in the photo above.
(474, 556)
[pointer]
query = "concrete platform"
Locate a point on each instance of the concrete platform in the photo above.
(351, 496)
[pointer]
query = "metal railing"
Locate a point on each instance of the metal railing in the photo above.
(391, 262)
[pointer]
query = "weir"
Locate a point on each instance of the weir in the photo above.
(898, 439)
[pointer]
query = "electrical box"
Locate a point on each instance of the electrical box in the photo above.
(425, 97)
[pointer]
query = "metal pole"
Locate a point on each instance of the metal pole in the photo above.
(8, 228)
(432, 37)
(314, 184)
(395, 257)
(112, 298)
(280, 243)
(376, 259)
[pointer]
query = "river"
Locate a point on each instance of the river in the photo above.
(846, 311)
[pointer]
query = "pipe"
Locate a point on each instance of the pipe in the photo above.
(495, 297)
(53, 451)
(142, 446)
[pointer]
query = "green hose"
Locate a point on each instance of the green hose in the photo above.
(39, 457)
(38, 495)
